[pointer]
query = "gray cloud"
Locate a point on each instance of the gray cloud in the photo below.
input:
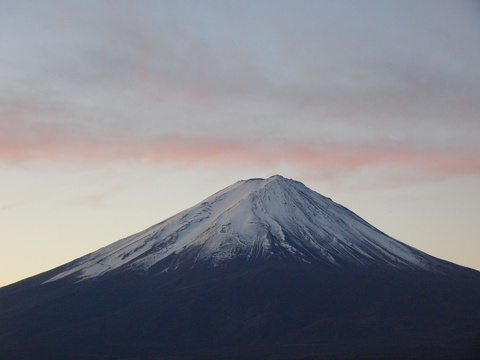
(399, 73)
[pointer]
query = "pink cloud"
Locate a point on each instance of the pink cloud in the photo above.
(26, 141)
(23, 138)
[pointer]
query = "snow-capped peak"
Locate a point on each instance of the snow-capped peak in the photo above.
(255, 219)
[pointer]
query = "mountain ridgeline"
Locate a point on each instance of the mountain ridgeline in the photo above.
(264, 269)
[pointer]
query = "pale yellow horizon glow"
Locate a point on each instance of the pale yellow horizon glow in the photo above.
(62, 215)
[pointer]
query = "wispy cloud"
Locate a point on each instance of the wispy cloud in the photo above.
(340, 87)
(23, 141)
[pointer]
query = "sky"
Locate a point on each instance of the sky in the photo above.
(115, 115)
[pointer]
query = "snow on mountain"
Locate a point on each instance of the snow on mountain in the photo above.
(255, 219)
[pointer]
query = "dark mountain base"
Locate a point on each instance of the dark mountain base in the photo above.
(265, 311)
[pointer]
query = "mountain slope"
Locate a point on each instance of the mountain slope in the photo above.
(264, 269)
(274, 217)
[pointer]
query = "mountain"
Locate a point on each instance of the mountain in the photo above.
(264, 269)
(253, 220)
